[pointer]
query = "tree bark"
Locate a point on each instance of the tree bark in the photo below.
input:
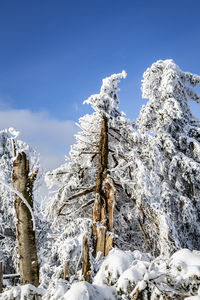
(86, 267)
(102, 214)
(23, 182)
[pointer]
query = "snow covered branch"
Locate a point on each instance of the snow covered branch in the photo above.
(83, 193)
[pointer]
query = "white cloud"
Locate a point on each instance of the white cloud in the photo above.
(50, 137)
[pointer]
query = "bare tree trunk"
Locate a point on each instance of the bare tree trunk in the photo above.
(1, 276)
(102, 214)
(23, 182)
(99, 208)
(86, 267)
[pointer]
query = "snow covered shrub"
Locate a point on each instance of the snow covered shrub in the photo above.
(113, 266)
(123, 269)
(56, 290)
(87, 291)
(137, 274)
(23, 292)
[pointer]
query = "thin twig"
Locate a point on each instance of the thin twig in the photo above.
(94, 145)
(88, 152)
(80, 208)
(114, 136)
(82, 128)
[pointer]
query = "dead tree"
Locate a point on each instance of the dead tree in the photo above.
(103, 207)
(23, 182)
(102, 214)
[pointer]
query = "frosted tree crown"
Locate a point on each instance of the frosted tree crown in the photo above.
(167, 88)
(107, 101)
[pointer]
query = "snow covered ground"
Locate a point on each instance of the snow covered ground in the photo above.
(123, 275)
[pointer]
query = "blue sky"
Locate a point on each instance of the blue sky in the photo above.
(54, 54)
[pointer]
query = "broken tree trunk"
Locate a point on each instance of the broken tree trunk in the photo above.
(23, 182)
(102, 214)
(86, 267)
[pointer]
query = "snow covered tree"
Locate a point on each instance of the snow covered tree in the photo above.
(90, 183)
(15, 152)
(168, 173)
(7, 222)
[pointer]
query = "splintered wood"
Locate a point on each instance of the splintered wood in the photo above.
(103, 209)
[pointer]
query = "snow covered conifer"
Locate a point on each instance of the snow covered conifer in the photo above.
(169, 200)
(89, 182)
(7, 222)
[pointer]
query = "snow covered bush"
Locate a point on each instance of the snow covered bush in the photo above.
(122, 268)
(87, 291)
(24, 292)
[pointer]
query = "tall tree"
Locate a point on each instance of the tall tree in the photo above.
(168, 177)
(89, 181)
(7, 214)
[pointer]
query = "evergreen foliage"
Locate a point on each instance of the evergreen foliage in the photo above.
(170, 201)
